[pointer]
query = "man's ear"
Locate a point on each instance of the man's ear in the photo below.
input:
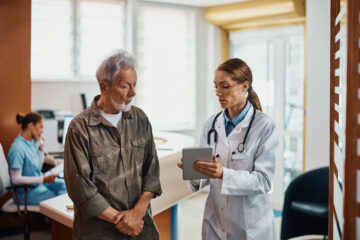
(103, 86)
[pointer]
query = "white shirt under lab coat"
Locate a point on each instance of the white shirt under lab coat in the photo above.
(238, 206)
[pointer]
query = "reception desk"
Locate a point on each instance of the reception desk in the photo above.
(174, 189)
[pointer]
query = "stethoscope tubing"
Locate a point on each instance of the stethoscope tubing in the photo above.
(241, 145)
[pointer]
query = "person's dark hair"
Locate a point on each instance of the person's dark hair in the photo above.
(239, 71)
(31, 117)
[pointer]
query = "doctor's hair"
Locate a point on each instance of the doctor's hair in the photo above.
(112, 64)
(240, 72)
(31, 117)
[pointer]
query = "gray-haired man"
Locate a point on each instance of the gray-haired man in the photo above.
(111, 165)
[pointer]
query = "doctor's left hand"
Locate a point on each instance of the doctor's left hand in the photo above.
(212, 169)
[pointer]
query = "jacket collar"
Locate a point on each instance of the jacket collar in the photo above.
(96, 117)
(237, 119)
(220, 124)
(246, 121)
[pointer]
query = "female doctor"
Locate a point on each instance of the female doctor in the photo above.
(242, 169)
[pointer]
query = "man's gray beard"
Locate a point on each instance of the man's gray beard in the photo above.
(126, 107)
(120, 107)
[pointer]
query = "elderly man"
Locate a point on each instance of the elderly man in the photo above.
(111, 166)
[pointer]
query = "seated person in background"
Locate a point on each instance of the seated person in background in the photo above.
(25, 161)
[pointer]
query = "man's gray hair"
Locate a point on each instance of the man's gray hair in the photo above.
(112, 64)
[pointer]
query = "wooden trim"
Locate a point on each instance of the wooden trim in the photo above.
(232, 13)
(352, 105)
(163, 224)
(256, 14)
(15, 84)
(265, 23)
(333, 14)
(300, 7)
(60, 231)
(224, 45)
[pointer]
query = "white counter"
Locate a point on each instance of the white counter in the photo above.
(174, 188)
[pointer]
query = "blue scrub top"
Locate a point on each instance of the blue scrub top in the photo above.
(25, 155)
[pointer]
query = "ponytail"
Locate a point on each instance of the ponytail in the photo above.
(20, 118)
(254, 99)
(31, 117)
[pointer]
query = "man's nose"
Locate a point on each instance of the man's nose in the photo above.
(132, 91)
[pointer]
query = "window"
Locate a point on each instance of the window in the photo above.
(85, 31)
(258, 55)
(165, 50)
(51, 50)
(276, 58)
(162, 37)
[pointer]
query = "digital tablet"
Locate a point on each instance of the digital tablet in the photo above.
(191, 155)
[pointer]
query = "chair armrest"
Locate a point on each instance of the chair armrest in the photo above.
(314, 208)
(14, 188)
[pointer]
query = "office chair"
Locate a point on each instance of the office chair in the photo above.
(10, 207)
(306, 205)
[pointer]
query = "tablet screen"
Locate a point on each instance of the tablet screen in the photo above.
(191, 155)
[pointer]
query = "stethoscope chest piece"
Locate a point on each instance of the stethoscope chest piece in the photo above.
(240, 147)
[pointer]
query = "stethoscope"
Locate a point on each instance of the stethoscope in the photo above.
(241, 145)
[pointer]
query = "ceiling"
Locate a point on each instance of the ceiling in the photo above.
(197, 3)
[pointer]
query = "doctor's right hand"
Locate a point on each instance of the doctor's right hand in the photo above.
(212, 169)
(50, 178)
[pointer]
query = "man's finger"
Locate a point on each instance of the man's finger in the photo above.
(118, 217)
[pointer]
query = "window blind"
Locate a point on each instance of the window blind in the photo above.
(165, 47)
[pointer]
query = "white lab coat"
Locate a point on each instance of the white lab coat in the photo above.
(238, 206)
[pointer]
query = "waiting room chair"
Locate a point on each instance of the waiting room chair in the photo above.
(306, 205)
(10, 207)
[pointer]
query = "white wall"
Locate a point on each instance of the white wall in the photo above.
(63, 96)
(317, 84)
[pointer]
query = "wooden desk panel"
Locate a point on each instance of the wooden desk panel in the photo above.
(162, 221)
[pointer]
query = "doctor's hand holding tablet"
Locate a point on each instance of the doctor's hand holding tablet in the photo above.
(200, 163)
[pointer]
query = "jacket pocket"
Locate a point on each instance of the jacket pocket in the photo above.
(240, 161)
(99, 162)
(260, 222)
(138, 153)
